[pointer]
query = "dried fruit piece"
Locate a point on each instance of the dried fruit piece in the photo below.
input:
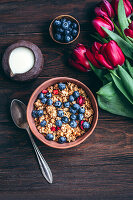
(55, 91)
(80, 100)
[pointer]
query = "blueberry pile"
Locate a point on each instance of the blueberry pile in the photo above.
(65, 30)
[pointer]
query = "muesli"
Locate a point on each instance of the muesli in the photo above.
(63, 112)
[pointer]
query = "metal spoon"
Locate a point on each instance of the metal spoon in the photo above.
(18, 113)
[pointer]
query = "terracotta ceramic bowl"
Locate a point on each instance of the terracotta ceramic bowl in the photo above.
(68, 17)
(31, 120)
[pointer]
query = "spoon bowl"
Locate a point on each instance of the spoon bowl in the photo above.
(18, 113)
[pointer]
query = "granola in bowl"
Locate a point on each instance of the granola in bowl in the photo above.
(63, 112)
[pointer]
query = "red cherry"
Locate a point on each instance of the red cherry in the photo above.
(81, 125)
(53, 128)
(55, 91)
(44, 91)
(57, 128)
(80, 100)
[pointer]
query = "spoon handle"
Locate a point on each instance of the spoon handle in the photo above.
(43, 164)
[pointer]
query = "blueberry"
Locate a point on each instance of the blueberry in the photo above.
(81, 110)
(40, 113)
(61, 86)
(49, 136)
(76, 94)
(49, 102)
(75, 25)
(86, 125)
(62, 140)
(65, 25)
(66, 104)
(34, 113)
(60, 30)
(71, 98)
(41, 96)
(69, 22)
(58, 104)
(57, 36)
(72, 110)
(74, 32)
(73, 124)
(70, 29)
(65, 119)
(43, 123)
(80, 117)
(44, 100)
(62, 38)
(76, 106)
(58, 123)
(57, 23)
(71, 37)
(73, 117)
(67, 32)
(60, 113)
(67, 38)
(48, 95)
(63, 20)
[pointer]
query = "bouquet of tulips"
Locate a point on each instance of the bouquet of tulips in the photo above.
(111, 56)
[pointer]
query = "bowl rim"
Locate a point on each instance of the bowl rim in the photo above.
(31, 123)
(61, 16)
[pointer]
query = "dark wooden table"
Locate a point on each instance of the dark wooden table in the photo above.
(99, 169)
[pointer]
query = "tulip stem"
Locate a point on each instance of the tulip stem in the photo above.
(129, 20)
(118, 30)
(115, 74)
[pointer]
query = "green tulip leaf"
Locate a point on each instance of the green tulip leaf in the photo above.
(129, 67)
(99, 38)
(126, 80)
(126, 47)
(123, 22)
(108, 77)
(117, 81)
(131, 39)
(111, 100)
(99, 72)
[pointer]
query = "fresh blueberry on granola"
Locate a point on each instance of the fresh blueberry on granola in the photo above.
(41, 96)
(62, 140)
(43, 123)
(62, 112)
(64, 119)
(49, 136)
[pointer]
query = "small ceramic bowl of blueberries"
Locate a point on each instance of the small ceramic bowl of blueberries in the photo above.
(64, 29)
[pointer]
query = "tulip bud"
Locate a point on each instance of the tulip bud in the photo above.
(79, 59)
(104, 21)
(129, 31)
(96, 47)
(105, 9)
(127, 5)
(108, 55)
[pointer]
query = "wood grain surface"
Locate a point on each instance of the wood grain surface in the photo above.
(101, 168)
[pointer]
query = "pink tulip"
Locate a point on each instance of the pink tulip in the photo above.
(127, 5)
(129, 31)
(104, 21)
(105, 9)
(79, 59)
(108, 55)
